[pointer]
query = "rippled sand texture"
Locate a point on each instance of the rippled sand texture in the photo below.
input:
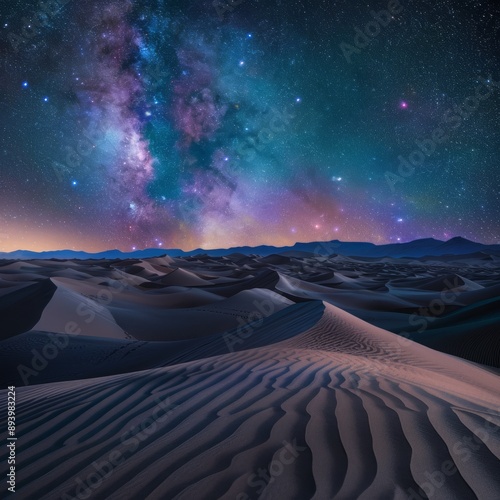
(243, 378)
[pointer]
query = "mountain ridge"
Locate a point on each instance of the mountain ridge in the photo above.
(426, 247)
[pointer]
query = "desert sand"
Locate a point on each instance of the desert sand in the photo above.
(289, 376)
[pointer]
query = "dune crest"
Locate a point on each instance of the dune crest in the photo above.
(242, 378)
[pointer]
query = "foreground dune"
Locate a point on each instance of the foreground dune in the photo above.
(304, 401)
(371, 417)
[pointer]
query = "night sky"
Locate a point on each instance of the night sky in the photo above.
(178, 124)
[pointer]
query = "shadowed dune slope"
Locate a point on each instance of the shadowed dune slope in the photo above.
(82, 356)
(241, 377)
(367, 417)
(21, 309)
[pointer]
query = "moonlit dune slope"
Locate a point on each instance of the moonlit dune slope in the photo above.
(245, 378)
(373, 416)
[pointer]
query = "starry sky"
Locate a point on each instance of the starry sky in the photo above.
(185, 124)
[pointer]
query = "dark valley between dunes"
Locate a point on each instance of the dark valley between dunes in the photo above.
(290, 375)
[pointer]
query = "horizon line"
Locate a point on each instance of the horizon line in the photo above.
(166, 249)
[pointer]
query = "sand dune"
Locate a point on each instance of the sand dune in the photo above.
(238, 381)
(333, 390)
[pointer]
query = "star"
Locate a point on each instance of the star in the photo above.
(231, 133)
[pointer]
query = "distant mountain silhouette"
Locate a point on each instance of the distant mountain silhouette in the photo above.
(427, 247)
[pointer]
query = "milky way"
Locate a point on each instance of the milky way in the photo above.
(131, 124)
